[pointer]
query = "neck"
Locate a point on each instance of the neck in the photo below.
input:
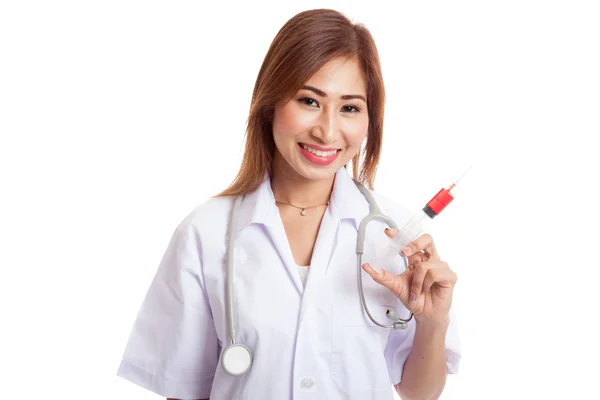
(289, 187)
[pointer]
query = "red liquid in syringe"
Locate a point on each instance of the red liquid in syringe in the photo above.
(415, 227)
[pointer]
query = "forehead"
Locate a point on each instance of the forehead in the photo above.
(339, 76)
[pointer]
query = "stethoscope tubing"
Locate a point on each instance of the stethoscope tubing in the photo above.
(399, 322)
(229, 279)
(374, 214)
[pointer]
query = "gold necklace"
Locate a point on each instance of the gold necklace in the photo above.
(303, 212)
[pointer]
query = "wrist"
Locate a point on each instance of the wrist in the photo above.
(438, 325)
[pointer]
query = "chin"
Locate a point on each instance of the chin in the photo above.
(316, 172)
(317, 175)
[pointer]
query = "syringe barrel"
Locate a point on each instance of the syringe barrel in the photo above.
(415, 227)
(411, 230)
(421, 220)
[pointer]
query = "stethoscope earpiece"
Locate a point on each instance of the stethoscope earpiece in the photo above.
(398, 323)
(391, 314)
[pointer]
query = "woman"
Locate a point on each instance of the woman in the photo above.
(317, 105)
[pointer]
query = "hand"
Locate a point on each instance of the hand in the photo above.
(426, 287)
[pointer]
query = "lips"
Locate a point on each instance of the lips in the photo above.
(319, 151)
(317, 154)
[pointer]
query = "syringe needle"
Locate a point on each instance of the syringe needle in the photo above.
(456, 181)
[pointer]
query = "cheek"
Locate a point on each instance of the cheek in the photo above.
(357, 133)
(288, 121)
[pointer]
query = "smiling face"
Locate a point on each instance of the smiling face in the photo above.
(323, 125)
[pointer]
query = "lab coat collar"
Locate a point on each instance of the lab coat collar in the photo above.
(347, 202)
(258, 206)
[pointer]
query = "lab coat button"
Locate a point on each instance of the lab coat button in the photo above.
(307, 383)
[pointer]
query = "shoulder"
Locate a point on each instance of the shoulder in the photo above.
(208, 219)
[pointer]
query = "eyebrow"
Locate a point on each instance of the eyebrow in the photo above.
(344, 97)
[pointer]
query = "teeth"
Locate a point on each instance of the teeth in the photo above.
(319, 152)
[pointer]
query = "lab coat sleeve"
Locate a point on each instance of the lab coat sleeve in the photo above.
(400, 343)
(173, 348)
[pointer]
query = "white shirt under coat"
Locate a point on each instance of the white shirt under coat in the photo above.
(308, 342)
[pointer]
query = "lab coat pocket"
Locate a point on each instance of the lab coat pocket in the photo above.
(358, 364)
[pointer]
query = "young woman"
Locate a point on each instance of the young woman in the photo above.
(317, 108)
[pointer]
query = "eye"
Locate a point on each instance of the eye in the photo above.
(308, 101)
(350, 108)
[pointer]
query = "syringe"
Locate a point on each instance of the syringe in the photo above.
(416, 225)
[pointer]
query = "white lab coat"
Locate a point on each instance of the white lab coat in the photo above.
(312, 342)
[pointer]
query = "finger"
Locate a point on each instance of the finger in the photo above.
(391, 232)
(444, 277)
(383, 277)
(413, 260)
(422, 243)
(416, 285)
(379, 275)
(416, 259)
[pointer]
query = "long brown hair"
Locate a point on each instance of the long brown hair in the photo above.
(303, 45)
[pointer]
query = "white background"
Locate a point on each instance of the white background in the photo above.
(117, 118)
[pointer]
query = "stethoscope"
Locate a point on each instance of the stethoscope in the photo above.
(236, 358)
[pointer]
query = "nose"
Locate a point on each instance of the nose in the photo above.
(327, 128)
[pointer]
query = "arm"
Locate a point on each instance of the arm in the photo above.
(424, 375)
(425, 288)
(174, 321)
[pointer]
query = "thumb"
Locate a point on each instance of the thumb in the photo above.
(398, 284)
(383, 277)
(376, 273)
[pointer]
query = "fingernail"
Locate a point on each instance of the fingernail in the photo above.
(407, 251)
(413, 297)
(392, 231)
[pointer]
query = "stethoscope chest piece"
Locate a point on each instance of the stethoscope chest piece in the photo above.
(236, 359)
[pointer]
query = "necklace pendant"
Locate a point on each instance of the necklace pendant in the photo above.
(303, 212)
